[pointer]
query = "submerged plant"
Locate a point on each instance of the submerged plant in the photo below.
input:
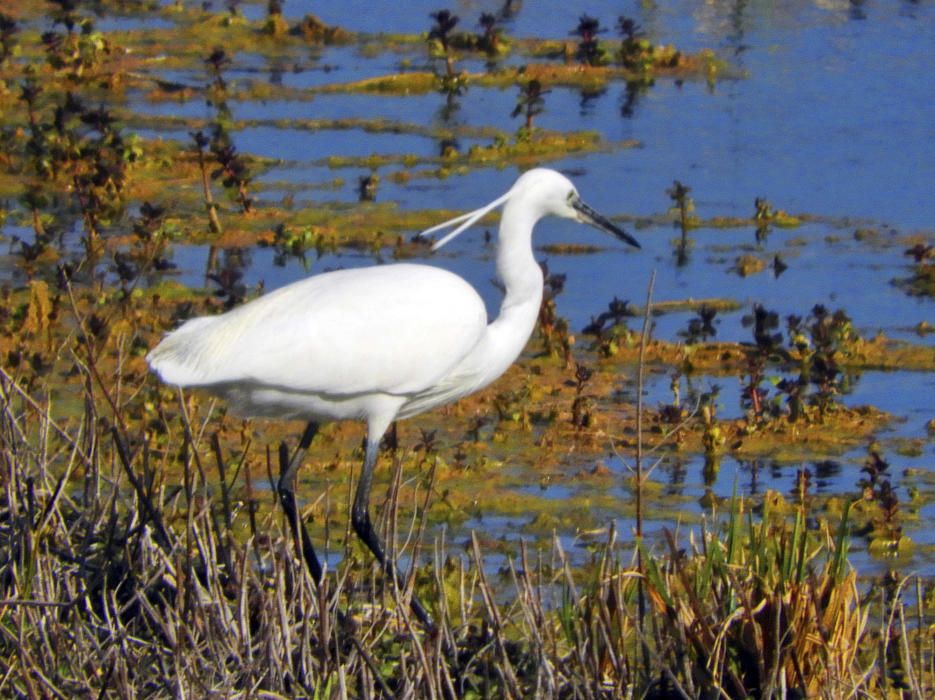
(77, 51)
(86, 148)
(712, 437)
(763, 216)
(922, 281)
(275, 23)
(228, 278)
(451, 83)
(289, 243)
(232, 170)
(151, 237)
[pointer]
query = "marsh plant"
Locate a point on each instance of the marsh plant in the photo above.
(111, 576)
(201, 143)
(137, 538)
(73, 48)
(701, 327)
(822, 341)
(530, 104)
(767, 348)
(683, 206)
(143, 553)
(581, 406)
(884, 523)
(451, 83)
(552, 327)
(812, 365)
(589, 50)
(9, 41)
(609, 327)
(490, 40)
(232, 169)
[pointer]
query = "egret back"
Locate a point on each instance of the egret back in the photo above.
(394, 329)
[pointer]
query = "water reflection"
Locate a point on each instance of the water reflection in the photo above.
(633, 92)
(588, 98)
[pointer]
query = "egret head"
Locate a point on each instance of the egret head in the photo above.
(539, 192)
(555, 194)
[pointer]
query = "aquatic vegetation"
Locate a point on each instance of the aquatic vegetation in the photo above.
(201, 143)
(139, 530)
(683, 206)
(879, 508)
(634, 49)
(922, 281)
(747, 264)
(530, 103)
(492, 40)
(589, 51)
(450, 83)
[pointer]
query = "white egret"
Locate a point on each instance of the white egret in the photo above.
(376, 343)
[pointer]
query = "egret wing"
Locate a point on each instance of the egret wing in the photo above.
(396, 329)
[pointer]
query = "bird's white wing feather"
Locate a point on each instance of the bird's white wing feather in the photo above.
(396, 329)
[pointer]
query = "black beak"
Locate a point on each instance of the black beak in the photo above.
(589, 216)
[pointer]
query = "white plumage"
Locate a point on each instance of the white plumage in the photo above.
(330, 337)
(376, 343)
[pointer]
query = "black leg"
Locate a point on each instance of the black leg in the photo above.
(286, 488)
(360, 519)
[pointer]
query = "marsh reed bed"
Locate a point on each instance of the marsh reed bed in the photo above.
(117, 582)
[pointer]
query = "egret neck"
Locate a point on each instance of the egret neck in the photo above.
(522, 280)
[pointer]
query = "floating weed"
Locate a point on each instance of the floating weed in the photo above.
(746, 265)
